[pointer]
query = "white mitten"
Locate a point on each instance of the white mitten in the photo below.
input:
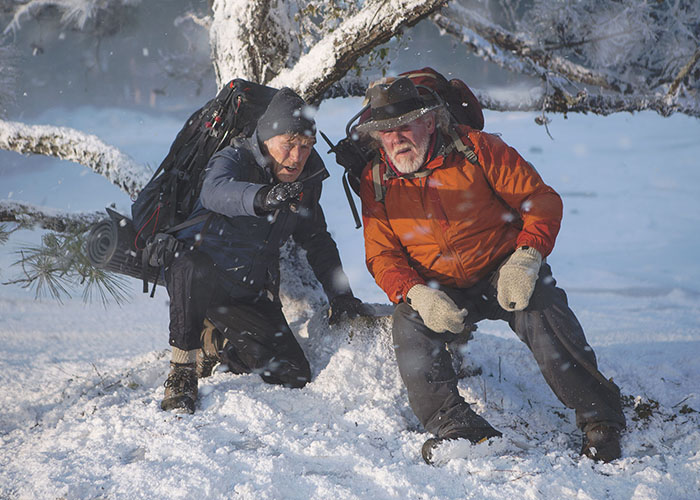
(517, 277)
(437, 310)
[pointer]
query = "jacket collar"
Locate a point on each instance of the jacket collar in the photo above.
(253, 145)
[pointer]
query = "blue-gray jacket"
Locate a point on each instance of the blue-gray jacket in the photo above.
(245, 246)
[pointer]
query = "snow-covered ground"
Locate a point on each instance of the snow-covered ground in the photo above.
(81, 385)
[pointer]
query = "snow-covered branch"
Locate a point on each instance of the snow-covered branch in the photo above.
(253, 39)
(329, 60)
(30, 216)
(494, 43)
(568, 86)
(560, 100)
(78, 147)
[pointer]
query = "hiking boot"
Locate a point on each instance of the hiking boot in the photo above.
(476, 435)
(601, 443)
(209, 355)
(472, 427)
(230, 358)
(431, 444)
(180, 388)
(461, 422)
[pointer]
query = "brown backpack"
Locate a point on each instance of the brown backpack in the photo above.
(457, 96)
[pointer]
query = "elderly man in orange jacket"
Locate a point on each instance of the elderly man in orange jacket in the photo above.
(457, 226)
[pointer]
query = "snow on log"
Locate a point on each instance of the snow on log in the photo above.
(30, 216)
(72, 145)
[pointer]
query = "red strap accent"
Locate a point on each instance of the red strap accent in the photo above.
(155, 214)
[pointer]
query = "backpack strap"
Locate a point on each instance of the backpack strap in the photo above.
(464, 146)
(379, 189)
(192, 222)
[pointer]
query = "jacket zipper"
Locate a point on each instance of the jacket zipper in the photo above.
(446, 248)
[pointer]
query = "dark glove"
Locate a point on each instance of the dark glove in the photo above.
(271, 198)
(351, 155)
(349, 305)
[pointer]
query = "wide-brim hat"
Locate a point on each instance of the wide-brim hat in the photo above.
(393, 104)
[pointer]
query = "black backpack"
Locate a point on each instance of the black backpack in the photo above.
(168, 199)
(142, 246)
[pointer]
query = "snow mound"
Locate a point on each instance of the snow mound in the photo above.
(81, 419)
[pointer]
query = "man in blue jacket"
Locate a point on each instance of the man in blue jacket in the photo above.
(258, 194)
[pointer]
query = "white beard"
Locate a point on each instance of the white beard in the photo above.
(408, 165)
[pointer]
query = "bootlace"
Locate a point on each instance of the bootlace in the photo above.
(181, 377)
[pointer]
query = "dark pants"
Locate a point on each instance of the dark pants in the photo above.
(260, 339)
(547, 326)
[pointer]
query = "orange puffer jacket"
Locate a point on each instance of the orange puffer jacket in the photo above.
(456, 224)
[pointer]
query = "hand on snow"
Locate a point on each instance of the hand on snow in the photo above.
(271, 198)
(437, 310)
(348, 305)
(516, 278)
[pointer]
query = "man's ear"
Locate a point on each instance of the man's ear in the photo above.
(430, 122)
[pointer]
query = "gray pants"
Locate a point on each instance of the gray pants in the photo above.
(547, 326)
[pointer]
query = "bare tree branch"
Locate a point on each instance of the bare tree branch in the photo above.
(78, 147)
(30, 216)
(335, 54)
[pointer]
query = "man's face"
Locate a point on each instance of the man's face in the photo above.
(289, 153)
(407, 145)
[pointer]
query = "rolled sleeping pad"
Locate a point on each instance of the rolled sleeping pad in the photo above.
(110, 246)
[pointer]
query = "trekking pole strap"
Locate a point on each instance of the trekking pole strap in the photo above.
(351, 201)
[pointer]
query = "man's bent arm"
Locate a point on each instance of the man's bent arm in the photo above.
(386, 259)
(519, 185)
(224, 191)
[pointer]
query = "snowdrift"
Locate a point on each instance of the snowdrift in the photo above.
(81, 417)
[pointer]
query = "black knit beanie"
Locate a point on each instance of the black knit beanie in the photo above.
(287, 113)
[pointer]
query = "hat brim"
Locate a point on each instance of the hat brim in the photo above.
(389, 123)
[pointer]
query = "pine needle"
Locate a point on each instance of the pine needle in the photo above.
(59, 265)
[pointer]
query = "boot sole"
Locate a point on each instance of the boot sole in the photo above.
(179, 404)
